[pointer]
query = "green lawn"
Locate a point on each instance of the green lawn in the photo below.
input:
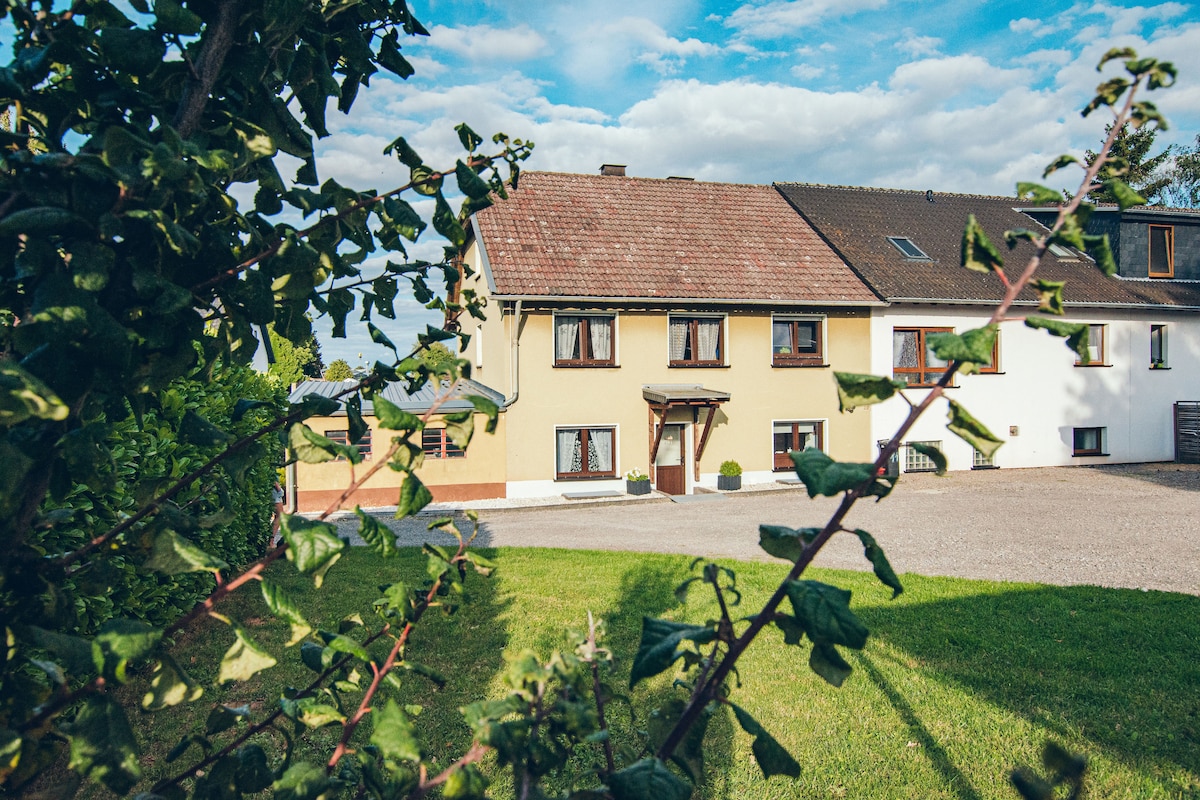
(960, 681)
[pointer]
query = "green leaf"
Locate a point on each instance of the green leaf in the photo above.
(23, 396)
(784, 542)
(174, 555)
(1059, 163)
(253, 773)
(469, 138)
(315, 405)
(393, 418)
(174, 18)
(195, 429)
(970, 349)
(771, 757)
(856, 390)
(224, 717)
(486, 406)
(74, 651)
(170, 686)
(822, 475)
(1125, 196)
(1076, 333)
(119, 642)
(41, 221)
(1115, 53)
(315, 715)
(408, 157)
(937, 456)
(305, 781)
(103, 747)
(659, 647)
(972, 431)
(284, 608)
(460, 428)
(1040, 195)
(244, 659)
(379, 537)
(1050, 297)
(1100, 249)
(311, 544)
(395, 735)
(466, 782)
(883, 569)
(378, 337)
(339, 643)
(648, 779)
(445, 223)
(827, 662)
(470, 183)
(313, 448)
(825, 613)
(978, 252)
(354, 419)
(413, 496)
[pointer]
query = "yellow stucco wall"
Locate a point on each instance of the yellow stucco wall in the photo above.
(558, 396)
(479, 473)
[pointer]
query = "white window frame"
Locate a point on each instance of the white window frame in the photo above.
(1164, 361)
(616, 454)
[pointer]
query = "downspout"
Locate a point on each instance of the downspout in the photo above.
(292, 486)
(514, 363)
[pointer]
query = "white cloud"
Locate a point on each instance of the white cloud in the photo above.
(782, 17)
(1024, 25)
(916, 46)
(807, 71)
(485, 43)
(601, 51)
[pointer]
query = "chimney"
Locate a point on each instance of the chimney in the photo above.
(617, 170)
(679, 178)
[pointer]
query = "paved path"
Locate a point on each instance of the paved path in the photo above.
(1135, 526)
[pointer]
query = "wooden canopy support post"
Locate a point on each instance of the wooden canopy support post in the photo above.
(708, 421)
(656, 435)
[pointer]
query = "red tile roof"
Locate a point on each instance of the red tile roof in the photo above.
(562, 235)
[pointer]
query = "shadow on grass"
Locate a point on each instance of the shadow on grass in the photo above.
(954, 778)
(1117, 667)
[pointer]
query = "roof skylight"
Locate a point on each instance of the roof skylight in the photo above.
(1063, 253)
(908, 248)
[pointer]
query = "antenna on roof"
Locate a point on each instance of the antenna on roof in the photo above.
(929, 195)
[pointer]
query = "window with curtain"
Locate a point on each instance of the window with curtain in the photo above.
(696, 341)
(912, 360)
(1096, 349)
(585, 452)
(583, 340)
(796, 342)
(789, 436)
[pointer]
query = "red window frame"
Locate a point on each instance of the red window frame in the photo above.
(436, 444)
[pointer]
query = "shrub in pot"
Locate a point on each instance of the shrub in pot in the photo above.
(729, 476)
(637, 482)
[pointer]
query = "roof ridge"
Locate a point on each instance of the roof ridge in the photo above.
(640, 178)
(886, 190)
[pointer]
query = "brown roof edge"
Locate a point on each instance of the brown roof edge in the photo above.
(560, 298)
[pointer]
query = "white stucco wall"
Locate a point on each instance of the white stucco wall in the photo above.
(1041, 394)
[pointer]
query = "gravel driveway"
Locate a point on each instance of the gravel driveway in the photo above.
(1132, 526)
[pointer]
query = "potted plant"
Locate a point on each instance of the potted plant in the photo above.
(729, 476)
(637, 482)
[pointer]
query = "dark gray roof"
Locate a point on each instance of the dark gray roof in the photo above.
(417, 402)
(856, 222)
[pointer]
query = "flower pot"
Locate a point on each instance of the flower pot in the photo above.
(638, 487)
(729, 483)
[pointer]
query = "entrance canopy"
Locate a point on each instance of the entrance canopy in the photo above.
(663, 397)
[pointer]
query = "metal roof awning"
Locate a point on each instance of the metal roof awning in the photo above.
(682, 394)
(663, 397)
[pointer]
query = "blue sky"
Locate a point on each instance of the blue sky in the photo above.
(951, 96)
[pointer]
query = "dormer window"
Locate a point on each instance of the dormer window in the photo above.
(908, 249)
(1062, 253)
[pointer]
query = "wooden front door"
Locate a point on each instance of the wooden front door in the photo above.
(669, 465)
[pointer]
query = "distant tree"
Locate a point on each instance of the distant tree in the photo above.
(294, 362)
(1183, 188)
(437, 357)
(1130, 161)
(339, 370)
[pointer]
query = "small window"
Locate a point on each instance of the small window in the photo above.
(1063, 253)
(1162, 251)
(1096, 349)
(912, 360)
(907, 248)
(343, 437)
(789, 436)
(585, 452)
(436, 444)
(1158, 347)
(915, 461)
(980, 461)
(583, 340)
(1089, 441)
(796, 342)
(696, 341)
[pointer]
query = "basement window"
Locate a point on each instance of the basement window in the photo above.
(908, 249)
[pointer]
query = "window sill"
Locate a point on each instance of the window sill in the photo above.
(797, 365)
(582, 365)
(1160, 369)
(686, 365)
(606, 477)
(1090, 455)
(1093, 366)
(985, 466)
(990, 372)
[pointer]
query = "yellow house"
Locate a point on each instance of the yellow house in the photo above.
(664, 326)
(449, 472)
